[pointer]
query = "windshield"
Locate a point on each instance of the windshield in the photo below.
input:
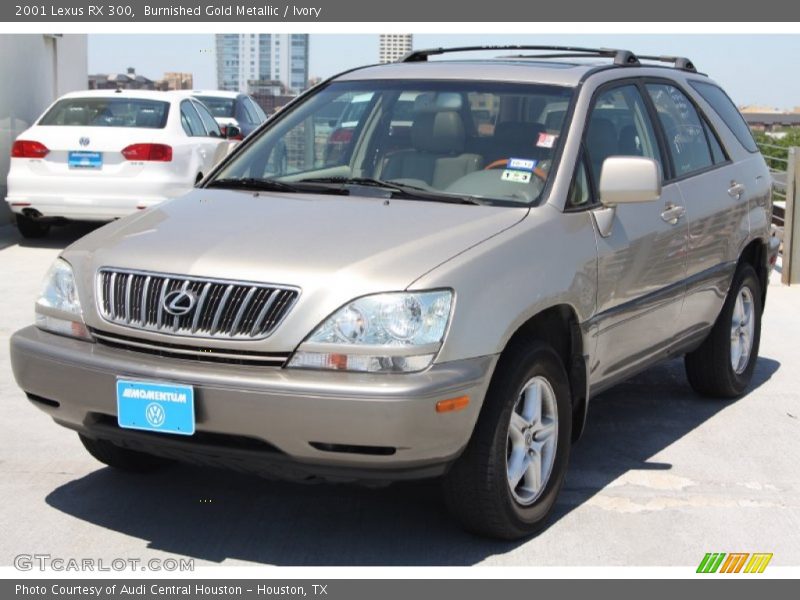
(483, 140)
(221, 108)
(108, 112)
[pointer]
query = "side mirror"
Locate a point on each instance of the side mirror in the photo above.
(628, 180)
(233, 133)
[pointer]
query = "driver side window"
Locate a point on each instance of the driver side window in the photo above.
(619, 125)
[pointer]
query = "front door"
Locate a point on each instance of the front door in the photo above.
(642, 259)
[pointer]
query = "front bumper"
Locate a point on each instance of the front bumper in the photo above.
(265, 419)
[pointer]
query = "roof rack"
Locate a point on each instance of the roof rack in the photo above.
(623, 58)
(679, 62)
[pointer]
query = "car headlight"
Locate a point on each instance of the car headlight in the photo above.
(396, 332)
(58, 309)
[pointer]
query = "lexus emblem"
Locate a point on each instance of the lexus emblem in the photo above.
(179, 302)
(84, 141)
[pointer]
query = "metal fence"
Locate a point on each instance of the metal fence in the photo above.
(784, 166)
(778, 163)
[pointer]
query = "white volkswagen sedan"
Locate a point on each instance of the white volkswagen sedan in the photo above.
(101, 155)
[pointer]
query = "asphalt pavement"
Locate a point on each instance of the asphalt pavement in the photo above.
(661, 477)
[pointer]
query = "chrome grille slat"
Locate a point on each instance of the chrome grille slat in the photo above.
(267, 305)
(222, 309)
(222, 303)
(143, 300)
(199, 308)
(243, 358)
(128, 284)
(164, 287)
(242, 308)
(111, 294)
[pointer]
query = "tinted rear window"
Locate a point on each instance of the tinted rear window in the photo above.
(221, 108)
(727, 111)
(108, 112)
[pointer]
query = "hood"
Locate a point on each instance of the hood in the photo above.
(334, 248)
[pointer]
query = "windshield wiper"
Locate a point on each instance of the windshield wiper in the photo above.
(268, 184)
(398, 190)
(253, 183)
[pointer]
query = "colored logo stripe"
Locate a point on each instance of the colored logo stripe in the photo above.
(734, 562)
(758, 563)
(713, 562)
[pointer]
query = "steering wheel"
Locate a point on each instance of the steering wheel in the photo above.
(502, 162)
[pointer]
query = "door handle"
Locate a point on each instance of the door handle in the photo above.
(736, 190)
(673, 213)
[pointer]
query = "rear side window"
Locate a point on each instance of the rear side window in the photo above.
(260, 115)
(210, 124)
(107, 112)
(249, 111)
(190, 120)
(683, 128)
(717, 153)
(727, 111)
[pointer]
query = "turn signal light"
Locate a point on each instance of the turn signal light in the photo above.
(148, 152)
(28, 149)
(452, 405)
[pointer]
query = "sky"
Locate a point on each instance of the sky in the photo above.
(754, 69)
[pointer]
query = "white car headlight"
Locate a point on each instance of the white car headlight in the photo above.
(58, 308)
(396, 332)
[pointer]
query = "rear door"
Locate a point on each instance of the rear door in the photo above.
(214, 140)
(202, 147)
(716, 198)
(642, 258)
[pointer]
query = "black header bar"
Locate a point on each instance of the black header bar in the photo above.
(442, 11)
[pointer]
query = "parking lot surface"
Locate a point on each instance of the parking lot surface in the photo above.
(661, 477)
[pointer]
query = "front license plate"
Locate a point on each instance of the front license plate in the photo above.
(85, 160)
(150, 406)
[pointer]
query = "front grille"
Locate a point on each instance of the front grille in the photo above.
(214, 308)
(226, 356)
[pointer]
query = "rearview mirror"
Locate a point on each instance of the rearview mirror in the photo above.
(628, 180)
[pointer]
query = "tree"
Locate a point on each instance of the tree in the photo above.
(776, 150)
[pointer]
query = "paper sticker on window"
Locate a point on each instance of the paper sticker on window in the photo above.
(546, 140)
(521, 164)
(516, 176)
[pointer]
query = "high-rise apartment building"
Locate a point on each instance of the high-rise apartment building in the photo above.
(393, 46)
(243, 58)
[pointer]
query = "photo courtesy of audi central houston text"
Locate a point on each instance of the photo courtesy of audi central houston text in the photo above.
(503, 292)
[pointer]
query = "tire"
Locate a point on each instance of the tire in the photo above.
(31, 228)
(710, 369)
(121, 458)
(477, 489)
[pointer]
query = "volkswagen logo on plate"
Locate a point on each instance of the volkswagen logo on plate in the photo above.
(154, 413)
(84, 141)
(179, 302)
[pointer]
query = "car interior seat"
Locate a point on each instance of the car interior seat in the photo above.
(628, 141)
(515, 139)
(601, 142)
(437, 155)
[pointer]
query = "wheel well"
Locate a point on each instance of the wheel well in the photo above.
(755, 254)
(558, 326)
